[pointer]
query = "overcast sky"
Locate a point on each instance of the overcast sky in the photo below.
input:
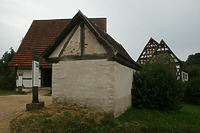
(130, 22)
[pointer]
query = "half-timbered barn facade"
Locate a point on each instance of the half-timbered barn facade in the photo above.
(153, 48)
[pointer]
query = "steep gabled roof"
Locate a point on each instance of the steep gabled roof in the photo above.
(114, 49)
(40, 34)
(163, 44)
(147, 46)
(153, 48)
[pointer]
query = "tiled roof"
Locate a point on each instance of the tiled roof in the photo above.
(118, 48)
(40, 34)
(114, 43)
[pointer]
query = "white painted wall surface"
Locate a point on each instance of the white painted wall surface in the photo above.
(123, 86)
(57, 51)
(92, 46)
(96, 84)
(73, 46)
(87, 83)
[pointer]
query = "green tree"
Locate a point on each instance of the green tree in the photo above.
(193, 59)
(192, 87)
(192, 91)
(7, 74)
(192, 66)
(156, 86)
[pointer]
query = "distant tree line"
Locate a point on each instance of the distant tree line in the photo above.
(7, 74)
(192, 87)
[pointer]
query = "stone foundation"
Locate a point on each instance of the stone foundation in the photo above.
(36, 106)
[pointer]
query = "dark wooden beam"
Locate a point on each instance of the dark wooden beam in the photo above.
(72, 58)
(120, 59)
(82, 39)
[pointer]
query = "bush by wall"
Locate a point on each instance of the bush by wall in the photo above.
(156, 87)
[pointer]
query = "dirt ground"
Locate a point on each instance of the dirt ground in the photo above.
(13, 105)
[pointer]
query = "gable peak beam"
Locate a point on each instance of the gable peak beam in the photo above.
(82, 38)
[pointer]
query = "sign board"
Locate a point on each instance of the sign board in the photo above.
(35, 73)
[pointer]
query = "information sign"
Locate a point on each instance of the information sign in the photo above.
(35, 73)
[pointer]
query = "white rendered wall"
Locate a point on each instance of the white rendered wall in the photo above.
(86, 83)
(123, 86)
(92, 46)
(57, 51)
(73, 46)
(96, 84)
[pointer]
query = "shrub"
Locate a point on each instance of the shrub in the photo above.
(192, 91)
(156, 87)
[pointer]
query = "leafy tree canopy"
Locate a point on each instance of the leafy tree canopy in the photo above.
(156, 86)
(192, 66)
(192, 87)
(7, 74)
(193, 59)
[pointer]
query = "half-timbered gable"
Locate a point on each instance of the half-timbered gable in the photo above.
(153, 48)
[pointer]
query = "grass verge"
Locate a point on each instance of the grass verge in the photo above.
(10, 92)
(6, 92)
(187, 120)
(72, 119)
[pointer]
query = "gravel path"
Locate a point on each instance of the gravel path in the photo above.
(13, 105)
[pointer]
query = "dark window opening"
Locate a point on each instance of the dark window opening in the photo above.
(46, 77)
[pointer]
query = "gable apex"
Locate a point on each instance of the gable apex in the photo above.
(151, 50)
(77, 19)
(114, 50)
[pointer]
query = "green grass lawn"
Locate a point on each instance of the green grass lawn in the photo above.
(134, 120)
(10, 92)
(6, 92)
(187, 120)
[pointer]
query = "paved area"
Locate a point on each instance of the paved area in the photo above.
(13, 105)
